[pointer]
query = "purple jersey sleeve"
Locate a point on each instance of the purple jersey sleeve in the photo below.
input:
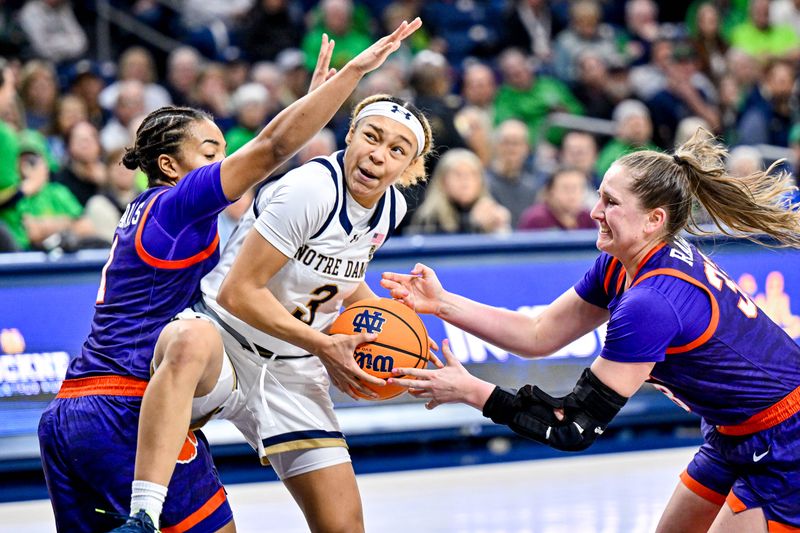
(196, 197)
(590, 288)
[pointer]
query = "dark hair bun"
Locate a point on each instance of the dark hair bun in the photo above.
(131, 158)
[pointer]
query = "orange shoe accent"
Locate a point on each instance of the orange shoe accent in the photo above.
(102, 386)
(168, 264)
(777, 527)
(701, 490)
(769, 417)
(211, 505)
(733, 501)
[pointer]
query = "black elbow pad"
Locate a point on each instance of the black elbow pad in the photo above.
(588, 409)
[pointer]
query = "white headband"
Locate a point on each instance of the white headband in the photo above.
(399, 114)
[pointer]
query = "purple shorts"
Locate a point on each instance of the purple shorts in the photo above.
(758, 470)
(88, 447)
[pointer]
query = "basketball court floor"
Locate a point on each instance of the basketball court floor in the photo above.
(607, 493)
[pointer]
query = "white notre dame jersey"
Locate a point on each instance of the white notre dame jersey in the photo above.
(308, 215)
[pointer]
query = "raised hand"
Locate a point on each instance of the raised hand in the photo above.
(345, 374)
(420, 290)
(323, 71)
(375, 55)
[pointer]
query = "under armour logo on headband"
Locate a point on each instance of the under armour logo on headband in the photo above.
(396, 109)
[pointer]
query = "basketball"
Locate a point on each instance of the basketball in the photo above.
(402, 340)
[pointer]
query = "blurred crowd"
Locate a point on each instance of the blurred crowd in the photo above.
(489, 74)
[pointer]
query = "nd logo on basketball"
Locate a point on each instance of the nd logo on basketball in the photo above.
(372, 322)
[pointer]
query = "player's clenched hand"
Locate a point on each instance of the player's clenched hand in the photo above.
(323, 70)
(345, 374)
(420, 290)
(451, 384)
(375, 55)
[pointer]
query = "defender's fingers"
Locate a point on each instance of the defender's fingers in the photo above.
(409, 383)
(415, 372)
(435, 360)
(432, 345)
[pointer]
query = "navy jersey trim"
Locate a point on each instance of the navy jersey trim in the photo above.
(302, 435)
(258, 189)
(327, 164)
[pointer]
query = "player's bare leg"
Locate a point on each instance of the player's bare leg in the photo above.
(329, 499)
(188, 357)
(687, 512)
(750, 521)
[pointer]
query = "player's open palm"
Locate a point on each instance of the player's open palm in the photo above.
(420, 290)
(375, 55)
(345, 374)
(450, 384)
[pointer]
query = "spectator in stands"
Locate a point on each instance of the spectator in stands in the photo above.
(708, 43)
(688, 92)
(474, 120)
(458, 199)
(766, 115)
(87, 83)
(687, 128)
(592, 86)
(270, 76)
(641, 30)
(250, 105)
(468, 29)
(9, 145)
(744, 161)
(183, 69)
(208, 25)
(785, 12)
(105, 209)
(53, 30)
(512, 180)
(321, 144)
(579, 150)
(136, 64)
(763, 40)
(431, 84)
(39, 93)
(528, 27)
(649, 79)
(794, 144)
(586, 32)
(130, 104)
(531, 98)
(47, 208)
(562, 206)
(337, 22)
(85, 172)
(295, 76)
(211, 95)
(285, 22)
(634, 133)
(69, 111)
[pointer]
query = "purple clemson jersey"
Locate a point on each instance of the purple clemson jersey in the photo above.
(716, 353)
(165, 242)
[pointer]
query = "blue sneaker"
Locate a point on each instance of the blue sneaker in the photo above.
(138, 523)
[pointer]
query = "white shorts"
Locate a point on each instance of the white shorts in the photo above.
(282, 406)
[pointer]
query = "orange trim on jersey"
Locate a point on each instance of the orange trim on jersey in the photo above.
(168, 264)
(621, 278)
(777, 527)
(647, 257)
(712, 324)
(701, 490)
(102, 386)
(211, 505)
(611, 266)
(769, 417)
(736, 505)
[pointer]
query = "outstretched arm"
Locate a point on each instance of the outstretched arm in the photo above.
(563, 321)
(295, 125)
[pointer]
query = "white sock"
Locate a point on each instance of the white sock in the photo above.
(148, 496)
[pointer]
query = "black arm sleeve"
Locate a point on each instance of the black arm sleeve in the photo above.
(588, 409)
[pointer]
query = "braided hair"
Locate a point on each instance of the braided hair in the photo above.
(161, 133)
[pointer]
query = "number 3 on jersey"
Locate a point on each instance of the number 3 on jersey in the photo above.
(717, 278)
(324, 293)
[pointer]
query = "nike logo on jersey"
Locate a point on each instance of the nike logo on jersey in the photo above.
(758, 456)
